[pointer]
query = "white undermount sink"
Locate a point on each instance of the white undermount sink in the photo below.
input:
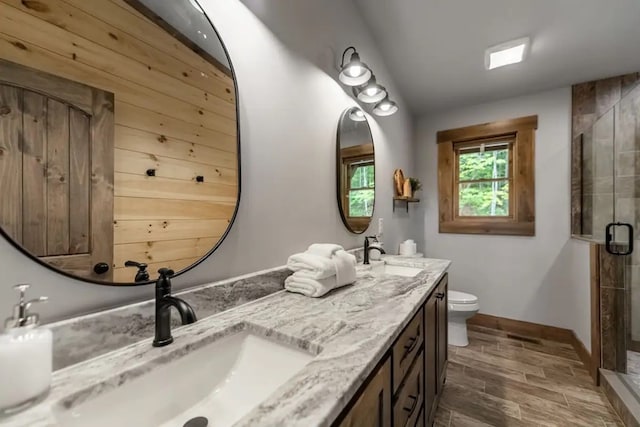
(222, 381)
(396, 270)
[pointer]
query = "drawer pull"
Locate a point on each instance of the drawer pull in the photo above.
(408, 348)
(413, 405)
(440, 295)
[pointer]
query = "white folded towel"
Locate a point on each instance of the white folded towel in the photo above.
(316, 282)
(345, 267)
(301, 284)
(316, 266)
(326, 250)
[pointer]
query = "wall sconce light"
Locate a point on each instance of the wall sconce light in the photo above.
(371, 92)
(385, 107)
(366, 89)
(355, 72)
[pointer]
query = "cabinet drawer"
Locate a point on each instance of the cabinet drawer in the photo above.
(410, 401)
(406, 348)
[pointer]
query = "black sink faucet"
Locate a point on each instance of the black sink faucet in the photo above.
(164, 302)
(367, 248)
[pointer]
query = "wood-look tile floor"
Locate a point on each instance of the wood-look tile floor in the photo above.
(500, 380)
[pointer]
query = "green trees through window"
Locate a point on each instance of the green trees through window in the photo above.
(483, 180)
(361, 189)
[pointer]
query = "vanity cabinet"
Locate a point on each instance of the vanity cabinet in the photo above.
(405, 389)
(436, 345)
(373, 405)
(442, 339)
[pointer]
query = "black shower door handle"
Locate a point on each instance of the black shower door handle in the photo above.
(609, 238)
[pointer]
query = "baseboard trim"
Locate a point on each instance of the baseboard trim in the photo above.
(585, 357)
(552, 333)
(536, 330)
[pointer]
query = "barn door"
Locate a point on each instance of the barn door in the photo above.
(56, 170)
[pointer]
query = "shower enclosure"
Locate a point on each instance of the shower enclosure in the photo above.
(607, 149)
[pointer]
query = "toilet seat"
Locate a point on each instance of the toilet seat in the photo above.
(456, 297)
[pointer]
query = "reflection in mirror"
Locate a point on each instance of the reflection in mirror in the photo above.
(118, 136)
(356, 170)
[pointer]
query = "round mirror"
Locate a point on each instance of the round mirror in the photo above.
(119, 144)
(356, 170)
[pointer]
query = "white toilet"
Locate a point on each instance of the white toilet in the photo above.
(461, 306)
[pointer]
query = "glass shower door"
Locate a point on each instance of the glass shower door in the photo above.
(623, 233)
(610, 215)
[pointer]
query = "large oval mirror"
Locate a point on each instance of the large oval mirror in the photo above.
(356, 170)
(119, 143)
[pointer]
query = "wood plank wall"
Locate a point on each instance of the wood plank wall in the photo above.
(174, 112)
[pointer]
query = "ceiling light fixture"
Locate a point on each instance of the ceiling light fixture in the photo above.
(355, 72)
(508, 53)
(366, 89)
(385, 107)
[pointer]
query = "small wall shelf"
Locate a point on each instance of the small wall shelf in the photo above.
(406, 200)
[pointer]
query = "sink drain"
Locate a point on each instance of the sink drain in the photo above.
(197, 422)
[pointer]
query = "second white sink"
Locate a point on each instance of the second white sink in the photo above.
(222, 381)
(396, 270)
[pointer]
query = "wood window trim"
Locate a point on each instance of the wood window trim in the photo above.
(348, 156)
(521, 221)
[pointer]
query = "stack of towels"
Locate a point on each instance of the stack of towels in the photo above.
(321, 268)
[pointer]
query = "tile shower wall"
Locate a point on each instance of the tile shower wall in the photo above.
(606, 184)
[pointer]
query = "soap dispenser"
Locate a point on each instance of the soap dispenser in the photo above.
(25, 357)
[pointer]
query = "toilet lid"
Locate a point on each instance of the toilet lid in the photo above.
(456, 297)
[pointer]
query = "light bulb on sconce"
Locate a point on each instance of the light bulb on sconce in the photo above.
(357, 115)
(371, 92)
(385, 107)
(355, 72)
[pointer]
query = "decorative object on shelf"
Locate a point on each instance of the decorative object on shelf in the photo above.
(365, 88)
(407, 191)
(398, 181)
(416, 185)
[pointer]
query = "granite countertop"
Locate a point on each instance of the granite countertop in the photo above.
(348, 330)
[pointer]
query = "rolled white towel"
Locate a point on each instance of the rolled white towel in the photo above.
(316, 266)
(326, 250)
(345, 268)
(301, 284)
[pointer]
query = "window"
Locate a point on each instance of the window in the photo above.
(357, 185)
(486, 178)
(361, 188)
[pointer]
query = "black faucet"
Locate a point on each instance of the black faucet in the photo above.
(164, 302)
(367, 248)
(142, 275)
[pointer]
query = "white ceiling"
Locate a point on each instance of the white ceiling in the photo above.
(435, 48)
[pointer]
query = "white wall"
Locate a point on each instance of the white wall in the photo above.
(542, 279)
(290, 104)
